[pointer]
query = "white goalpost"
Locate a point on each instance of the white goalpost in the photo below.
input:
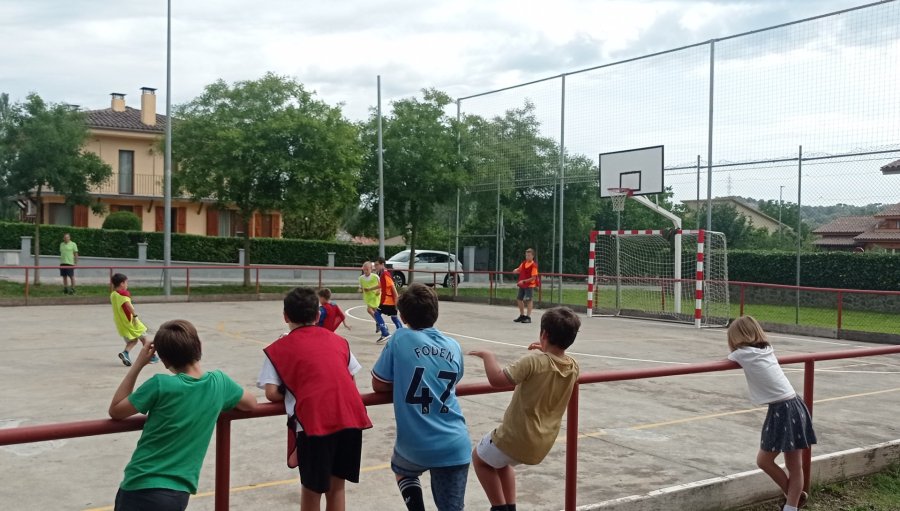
(671, 274)
(646, 273)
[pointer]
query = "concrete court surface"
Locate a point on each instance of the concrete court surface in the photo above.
(58, 363)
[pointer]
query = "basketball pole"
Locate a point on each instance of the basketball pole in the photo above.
(677, 222)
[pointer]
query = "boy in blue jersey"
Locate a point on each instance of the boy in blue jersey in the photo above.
(421, 366)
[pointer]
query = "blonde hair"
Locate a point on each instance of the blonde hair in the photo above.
(746, 331)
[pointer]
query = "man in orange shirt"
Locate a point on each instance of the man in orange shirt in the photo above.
(528, 280)
(388, 304)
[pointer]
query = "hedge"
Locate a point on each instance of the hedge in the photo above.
(188, 247)
(845, 270)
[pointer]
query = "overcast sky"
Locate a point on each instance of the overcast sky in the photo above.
(828, 85)
(80, 51)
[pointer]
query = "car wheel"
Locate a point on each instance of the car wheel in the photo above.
(451, 280)
(399, 279)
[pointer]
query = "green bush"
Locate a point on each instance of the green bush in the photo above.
(188, 247)
(122, 221)
(845, 270)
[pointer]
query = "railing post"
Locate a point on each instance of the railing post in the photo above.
(27, 284)
(320, 278)
(840, 312)
(742, 300)
(490, 288)
(223, 463)
(111, 287)
(809, 379)
(187, 281)
(572, 450)
(257, 281)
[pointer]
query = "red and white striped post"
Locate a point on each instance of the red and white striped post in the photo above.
(590, 292)
(698, 306)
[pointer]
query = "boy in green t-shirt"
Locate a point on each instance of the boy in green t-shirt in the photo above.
(544, 383)
(181, 410)
(370, 287)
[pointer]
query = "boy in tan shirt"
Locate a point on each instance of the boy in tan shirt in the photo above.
(544, 383)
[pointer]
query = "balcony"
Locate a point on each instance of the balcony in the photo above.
(144, 185)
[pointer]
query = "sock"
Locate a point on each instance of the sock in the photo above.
(397, 322)
(510, 507)
(498, 508)
(789, 508)
(411, 491)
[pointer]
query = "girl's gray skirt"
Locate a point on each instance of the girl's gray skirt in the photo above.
(788, 427)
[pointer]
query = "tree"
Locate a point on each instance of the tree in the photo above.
(422, 165)
(122, 221)
(266, 145)
(41, 150)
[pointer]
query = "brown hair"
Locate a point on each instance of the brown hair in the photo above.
(746, 331)
(118, 279)
(529, 251)
(177, 343)
(418, 306)
(324, 293)
(561, 326)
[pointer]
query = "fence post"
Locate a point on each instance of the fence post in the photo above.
(27, 271)
(223, 463)
(257, 281)
(840, 312)
(742, 300)
(572, 450)
(187, 283)
(809, 378)
(490, 288)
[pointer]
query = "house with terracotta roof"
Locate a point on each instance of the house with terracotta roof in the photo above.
(129, 140)
(881, 230)
(754, 215)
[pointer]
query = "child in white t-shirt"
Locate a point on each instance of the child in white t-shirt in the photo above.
(788, 425)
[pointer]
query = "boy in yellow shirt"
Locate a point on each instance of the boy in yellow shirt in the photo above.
(126, 319)
(544, 383)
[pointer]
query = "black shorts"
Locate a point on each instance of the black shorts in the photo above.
(388, 310)
(321, 457)
(66, 270)
(152, 499)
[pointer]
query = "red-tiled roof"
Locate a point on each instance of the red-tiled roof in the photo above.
(882, 235)
(129, 120)
(894, 165)
(848, 225)
(890, 211)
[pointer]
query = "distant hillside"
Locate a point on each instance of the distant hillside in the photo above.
(814, 216)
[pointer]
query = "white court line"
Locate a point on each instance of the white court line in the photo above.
(347, 312)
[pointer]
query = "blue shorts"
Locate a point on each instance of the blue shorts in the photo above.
(525, 294)
(448, 484)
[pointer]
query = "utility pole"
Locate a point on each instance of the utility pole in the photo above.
(780, 205)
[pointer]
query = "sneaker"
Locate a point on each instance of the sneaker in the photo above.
(804, 497)
(154, 359)
(126, 360)
(519, 319)
(526, 319)
(65, 290)
(383, 339)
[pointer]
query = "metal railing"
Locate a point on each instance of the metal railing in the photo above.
(223, 426)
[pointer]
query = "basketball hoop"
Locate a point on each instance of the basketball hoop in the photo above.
(618, 196)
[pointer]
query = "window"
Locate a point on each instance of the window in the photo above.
(126, 172)
(61, 214)
(439, 258)
(225, 224)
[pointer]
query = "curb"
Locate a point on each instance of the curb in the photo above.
(745, 488)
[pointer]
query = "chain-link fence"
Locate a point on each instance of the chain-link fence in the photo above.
(792, 121)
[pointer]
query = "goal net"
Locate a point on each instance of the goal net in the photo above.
(674, 274)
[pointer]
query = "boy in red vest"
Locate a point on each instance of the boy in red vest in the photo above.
(330, 315)
(311, 370)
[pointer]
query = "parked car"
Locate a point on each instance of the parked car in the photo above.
(428, 260)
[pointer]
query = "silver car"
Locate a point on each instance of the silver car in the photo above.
(428, 260)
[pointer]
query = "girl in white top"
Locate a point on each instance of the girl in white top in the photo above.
(788, 425)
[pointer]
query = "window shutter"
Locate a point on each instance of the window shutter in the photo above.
(80, 216)
(212, 221)
(276, 225)
(160, 218)
(257, 225)
(181, 221)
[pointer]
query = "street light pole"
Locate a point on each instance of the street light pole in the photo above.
(167, 164)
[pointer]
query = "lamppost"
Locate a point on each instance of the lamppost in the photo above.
(780, 204)
(167, 163)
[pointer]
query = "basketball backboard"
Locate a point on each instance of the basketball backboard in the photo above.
(638, 169)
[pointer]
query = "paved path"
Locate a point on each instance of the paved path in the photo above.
(58, 363)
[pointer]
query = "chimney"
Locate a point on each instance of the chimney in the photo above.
(148, 106)
(118, 102)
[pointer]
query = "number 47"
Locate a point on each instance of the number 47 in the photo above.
(415, 396)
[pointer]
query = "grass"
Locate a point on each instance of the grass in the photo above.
(877, 492)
